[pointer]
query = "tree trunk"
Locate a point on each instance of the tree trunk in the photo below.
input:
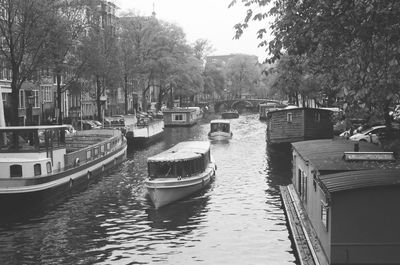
(98, 95)
(126, 93)
(14, 98)
(59, 104)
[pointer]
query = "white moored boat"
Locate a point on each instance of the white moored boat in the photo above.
(41, 164)
(179, 172)
(220, 130)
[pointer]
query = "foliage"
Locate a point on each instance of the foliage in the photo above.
(351, 44)
(242, 73)
(25, 30)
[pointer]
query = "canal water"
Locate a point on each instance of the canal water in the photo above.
(237, 220)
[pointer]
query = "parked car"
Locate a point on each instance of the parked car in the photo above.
(70, 129)
(85, 125)
(371, 135)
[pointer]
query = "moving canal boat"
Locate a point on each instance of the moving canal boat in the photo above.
(230, 114)
(220, 130)
(293, 124)
(143, 134)
(179, 172)
(41, 164)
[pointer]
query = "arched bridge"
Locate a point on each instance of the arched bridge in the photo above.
(240, 103)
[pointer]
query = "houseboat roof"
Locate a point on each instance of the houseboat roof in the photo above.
(178, 110)
(38, 127)
(359, 179)
(220, 121)
(182, 151)
(327, 154)
(292, 108)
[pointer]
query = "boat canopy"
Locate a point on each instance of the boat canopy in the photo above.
(220, 126)
(182, 160)
(31, 138)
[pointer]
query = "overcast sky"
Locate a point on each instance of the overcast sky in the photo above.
(203, 19)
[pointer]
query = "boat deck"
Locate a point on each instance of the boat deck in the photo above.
(307, 244)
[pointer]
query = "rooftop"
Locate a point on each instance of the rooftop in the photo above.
(327, 155)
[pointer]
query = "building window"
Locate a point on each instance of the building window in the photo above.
(289, 117)
(47, 94)
(15, 171)
(177, 117)
(21, 99)
(37, 168)
(317, 117)
(325, 214)
(35, 94)
(48, 166)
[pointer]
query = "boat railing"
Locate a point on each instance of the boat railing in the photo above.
(94, 151)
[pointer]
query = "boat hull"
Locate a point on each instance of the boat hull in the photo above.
(230, 115)
(220, 136)
(57, 187)
(141, 137)
(165, 191)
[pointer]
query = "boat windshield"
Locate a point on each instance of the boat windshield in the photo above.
(220, 127)
(31, 139)
(182, 168)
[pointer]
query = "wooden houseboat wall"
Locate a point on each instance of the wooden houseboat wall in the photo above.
(298, 124)
(180, 117)
(354, 220)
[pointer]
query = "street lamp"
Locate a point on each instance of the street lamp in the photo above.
(31, 101)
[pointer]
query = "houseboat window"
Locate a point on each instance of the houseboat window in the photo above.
(15, 171)
(88, 154)
(48, 167)
(289, 117)
(108, 146)
(37, 168)
(317, 117)
(96, 151)
(324, 214)
(102, 149)
(177, 117)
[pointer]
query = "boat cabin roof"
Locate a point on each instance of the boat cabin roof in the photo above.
(182, 151)
(359, 179)
(183, 110)
(327, 154)
(295, 108)
(220, 121)
(30, 128)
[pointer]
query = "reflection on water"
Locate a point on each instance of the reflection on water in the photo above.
(238, 219)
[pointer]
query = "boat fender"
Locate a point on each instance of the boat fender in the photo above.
(89, 174)
(179, 177)
(70, 183)
(77, 161)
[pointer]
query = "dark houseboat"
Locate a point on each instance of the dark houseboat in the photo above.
(298, 124)
(348, 194)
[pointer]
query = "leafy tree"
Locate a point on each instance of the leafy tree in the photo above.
(353, 44)
(25, 30)
(64, 37)
(99, 54)
(243, 73)
(214, 80)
